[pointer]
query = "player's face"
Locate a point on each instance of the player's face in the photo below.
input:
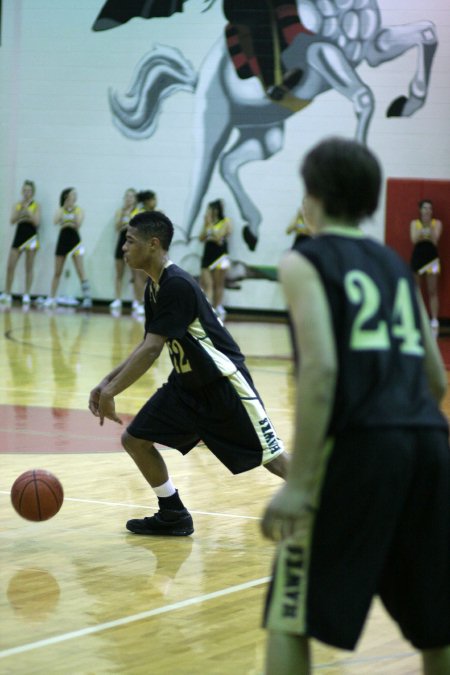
(137, 251)
(71, 199)
(426, 211)
(27, 192)
(129, 199)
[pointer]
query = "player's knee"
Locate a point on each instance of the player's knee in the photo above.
(134, 446)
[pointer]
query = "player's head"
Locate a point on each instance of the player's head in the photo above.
(216, 209)
(148, 199)
(65, 193)
(345, 177)
(28, 188)
(150, 224)
(130, 197)
(426, 209)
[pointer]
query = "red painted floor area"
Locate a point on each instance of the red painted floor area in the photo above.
(28, 429)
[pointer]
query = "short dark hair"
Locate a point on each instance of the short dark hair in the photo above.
(64, 194)
(154, 224)
(145, 194)
(345, 176)
(30, 184)
(425, 201)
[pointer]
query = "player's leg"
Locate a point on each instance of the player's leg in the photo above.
(164, 419)
(218, 278)
(11, 268)
(30, 255)
(120, 268)
(85, 286)
(206, 282)
(147, 458)
(173, 518)
(59, 266)
(436, 661)
(287, 654)
(432, 288)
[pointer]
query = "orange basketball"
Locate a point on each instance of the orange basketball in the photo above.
(37, 495)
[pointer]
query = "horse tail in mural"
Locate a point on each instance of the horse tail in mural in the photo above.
(158, 75)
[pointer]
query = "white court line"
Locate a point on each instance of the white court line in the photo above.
(130, 619)
(146, 506)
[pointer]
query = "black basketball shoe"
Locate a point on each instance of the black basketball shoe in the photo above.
(164, 523)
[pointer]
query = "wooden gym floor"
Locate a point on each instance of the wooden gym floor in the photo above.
(79, 595)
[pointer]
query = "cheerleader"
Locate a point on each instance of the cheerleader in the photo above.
(69, 218)
(121, 221)
(215, 260)
(425, 233)
(26, 216)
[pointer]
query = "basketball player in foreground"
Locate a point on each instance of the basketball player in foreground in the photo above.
(209, 394)
(365, 510)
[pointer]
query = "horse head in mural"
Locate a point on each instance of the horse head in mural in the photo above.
(335, 38)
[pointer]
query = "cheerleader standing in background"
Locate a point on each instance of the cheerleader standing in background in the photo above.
(69, 217)
(301, 230)
(425, 233)
(215, 259)
(147, 201)
(26, 216)
(122, 219)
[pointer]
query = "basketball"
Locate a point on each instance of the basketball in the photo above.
(37, 495)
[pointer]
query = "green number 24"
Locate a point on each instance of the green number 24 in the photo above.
(362, 291)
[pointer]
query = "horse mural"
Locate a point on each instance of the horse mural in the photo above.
(336, 37)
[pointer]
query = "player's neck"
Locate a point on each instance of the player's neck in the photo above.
(157, 268)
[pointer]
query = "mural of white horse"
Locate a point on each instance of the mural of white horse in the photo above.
(345, 33)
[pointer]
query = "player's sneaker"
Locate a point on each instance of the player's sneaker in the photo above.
(115, 304)
(164, 523)
(87, 303)
(5, 298)
(140, 310)
(26, 299)
(221, 311)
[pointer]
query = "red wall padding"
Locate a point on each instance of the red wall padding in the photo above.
(402, 197)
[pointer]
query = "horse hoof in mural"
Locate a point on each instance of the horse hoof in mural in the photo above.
(249, 238)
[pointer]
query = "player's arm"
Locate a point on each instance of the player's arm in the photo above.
(78, 218)
(35, 216)
(436, 232)
(57, 220)
(434, 367)
(118, 224)
(135, 366)
(15, 214)
(316, 381)
(414, 232)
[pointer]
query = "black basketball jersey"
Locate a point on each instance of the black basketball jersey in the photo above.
(371, 293)
(200, 347)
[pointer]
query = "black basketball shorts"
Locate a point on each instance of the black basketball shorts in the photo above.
(382, 528)
(227, 415)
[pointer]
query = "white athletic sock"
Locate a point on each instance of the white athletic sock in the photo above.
(167, 489)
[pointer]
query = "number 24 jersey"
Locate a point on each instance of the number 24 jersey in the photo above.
(376, 322)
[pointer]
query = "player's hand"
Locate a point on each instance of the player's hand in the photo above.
(94, 398)
(107, 408)
(288, 513)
